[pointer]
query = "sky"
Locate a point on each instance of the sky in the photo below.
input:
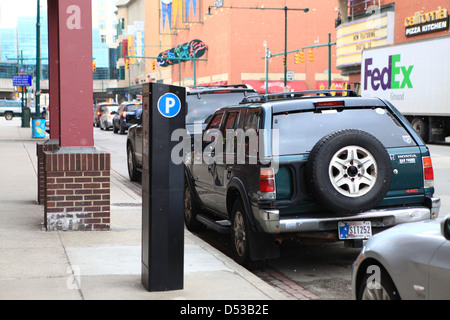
(10, 10)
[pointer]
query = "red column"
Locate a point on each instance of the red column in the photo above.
(53, 64)
(75, 73)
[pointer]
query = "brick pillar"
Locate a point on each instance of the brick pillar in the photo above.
(77, 190)
(48, 145)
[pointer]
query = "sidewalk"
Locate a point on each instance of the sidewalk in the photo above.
(41, 265)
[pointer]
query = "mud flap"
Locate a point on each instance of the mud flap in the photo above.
(262, 246)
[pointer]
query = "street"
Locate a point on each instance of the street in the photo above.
(324, 270)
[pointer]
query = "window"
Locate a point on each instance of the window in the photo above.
(215, 123)
(300, 131)
(231, 121)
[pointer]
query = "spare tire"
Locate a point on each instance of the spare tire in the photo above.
(349, 171)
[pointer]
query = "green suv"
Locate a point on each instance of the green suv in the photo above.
(312, 165)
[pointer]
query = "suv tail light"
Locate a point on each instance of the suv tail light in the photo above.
(267, 188)
(428, 173)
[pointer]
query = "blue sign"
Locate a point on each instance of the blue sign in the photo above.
(169, 105)
(22, 81)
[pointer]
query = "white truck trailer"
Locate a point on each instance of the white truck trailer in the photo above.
(415, 77)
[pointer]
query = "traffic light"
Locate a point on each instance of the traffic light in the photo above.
(297, 58)
(153, 65)
(310, 56)
(302, 57)
(127, 64)
(94, 66)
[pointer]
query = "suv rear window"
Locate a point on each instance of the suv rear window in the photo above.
(202, 105)
(300, 131)
(134, 107)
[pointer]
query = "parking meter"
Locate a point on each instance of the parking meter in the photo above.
(163, 111)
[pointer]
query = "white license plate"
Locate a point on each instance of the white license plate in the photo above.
(355, 230)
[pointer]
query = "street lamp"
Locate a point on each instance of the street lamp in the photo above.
(285, 27)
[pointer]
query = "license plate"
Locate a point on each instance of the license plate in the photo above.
(355, 230)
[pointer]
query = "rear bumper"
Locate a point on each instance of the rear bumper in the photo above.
(271, 222)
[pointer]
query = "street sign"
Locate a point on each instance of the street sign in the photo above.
(22, 81)
(290, 75)
(169, 105)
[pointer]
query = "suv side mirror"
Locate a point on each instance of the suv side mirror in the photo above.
(445, 227)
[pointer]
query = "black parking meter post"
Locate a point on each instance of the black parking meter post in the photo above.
(163, 111)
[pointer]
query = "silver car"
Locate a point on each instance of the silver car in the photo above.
(106, 119)
(409, 261)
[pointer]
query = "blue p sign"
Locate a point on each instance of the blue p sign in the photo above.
(169, 105)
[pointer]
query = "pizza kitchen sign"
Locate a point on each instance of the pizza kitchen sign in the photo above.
(426, 22)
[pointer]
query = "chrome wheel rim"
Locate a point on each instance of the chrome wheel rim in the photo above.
(130, 162)
(376, 293)
(239, 233)
(187, 204)
(353, 171)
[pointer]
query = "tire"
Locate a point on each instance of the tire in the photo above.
(371, 290)
(9, 116)
(421, 127)
(134, 174)
(240, 234)
(191, 210)
(349, 171)
(115, 130)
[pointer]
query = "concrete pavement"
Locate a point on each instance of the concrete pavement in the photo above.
(65, 265)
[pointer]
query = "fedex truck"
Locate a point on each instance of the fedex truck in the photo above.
(415, 77)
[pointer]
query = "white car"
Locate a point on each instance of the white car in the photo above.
(106, 119)
(410, 261)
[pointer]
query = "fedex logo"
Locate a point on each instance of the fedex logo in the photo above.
(387, 77)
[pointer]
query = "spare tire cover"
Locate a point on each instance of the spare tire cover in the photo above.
(349, 171)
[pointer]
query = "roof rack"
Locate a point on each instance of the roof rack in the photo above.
(237, 86)
(298, 94)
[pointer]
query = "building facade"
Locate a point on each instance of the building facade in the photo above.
(369, 24)
(228, 40)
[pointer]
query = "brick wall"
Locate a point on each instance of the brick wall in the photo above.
(77, 191)
(49, 145)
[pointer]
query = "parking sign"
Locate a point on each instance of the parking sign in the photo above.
(169, 105)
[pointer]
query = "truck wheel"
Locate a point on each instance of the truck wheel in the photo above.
(421, 127)
(134, 174)
(349, 171)
(191, 210)
(239, 234)
(9, 116)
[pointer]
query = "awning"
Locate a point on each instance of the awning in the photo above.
(276, 86)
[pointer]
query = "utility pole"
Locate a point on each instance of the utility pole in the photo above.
(329, 44)
(38, 61)
(194, 59)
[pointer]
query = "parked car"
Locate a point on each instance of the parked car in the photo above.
(201, 103)
(308, 165)
(410, 261)
(107, 116)
(126, 110)
(98, 110)
(13, 108)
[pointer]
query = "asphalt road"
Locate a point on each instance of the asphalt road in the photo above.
(323, 269)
